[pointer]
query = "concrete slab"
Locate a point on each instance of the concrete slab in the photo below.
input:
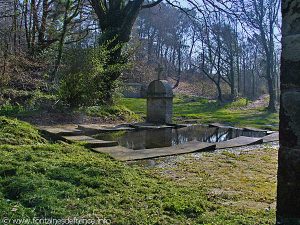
(180, 125)
(271, 132)
(124, 154)
(60, 131)
(112, 150)
(271, 126)
(238, 142)
(254, 129)
(271, 137)
(96, 128)
(149, 126)
(220, 125)
(123, 125)
(89, 142)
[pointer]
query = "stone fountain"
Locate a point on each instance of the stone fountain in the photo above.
(159, 102)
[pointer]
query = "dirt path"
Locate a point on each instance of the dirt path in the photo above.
(261, 102)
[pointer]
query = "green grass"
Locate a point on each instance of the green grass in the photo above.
(118, 112)
(206, 111)
(41, 104)
(137, 105)
(15, 132)
(61, 181)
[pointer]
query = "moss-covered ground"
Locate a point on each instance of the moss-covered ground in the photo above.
(44, 180)
(15, 132)
(210, 111)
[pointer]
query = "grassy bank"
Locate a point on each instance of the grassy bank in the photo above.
(40, 179)
(209, 111)
(15, 132)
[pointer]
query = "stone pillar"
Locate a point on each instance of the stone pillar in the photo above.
(159, 102)
(288, 191)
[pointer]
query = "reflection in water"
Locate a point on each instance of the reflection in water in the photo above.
(157, 138)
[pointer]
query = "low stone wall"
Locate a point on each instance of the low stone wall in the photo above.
(134, 90)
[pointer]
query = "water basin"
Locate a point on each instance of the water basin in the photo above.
(158, 138)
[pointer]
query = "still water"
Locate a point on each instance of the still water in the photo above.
(157, 138)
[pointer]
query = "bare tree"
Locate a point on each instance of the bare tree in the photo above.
(71, 10)
(262, 16)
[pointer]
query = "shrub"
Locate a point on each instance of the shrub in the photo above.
(15, 101)
(84, 81)
(15, 96)
(41, 101)
(8, 109)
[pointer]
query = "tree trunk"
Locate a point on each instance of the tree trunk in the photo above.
(244, 76)
(253, 84)
(15, 27)
(288, 192)
(108, 89)
(116, 28)
(220, 98)
(61, 42)
(179, 68)
(218, 85)
(272, 101)
(233, 80)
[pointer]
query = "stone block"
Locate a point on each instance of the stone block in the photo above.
(159, 102)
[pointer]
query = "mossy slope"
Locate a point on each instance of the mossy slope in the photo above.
(15, 132)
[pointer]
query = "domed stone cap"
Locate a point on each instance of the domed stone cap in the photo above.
(160, 88)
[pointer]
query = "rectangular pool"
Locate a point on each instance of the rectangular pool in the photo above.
(157, 138)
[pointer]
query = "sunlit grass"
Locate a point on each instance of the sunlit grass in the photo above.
(43, 180)
(210, 111)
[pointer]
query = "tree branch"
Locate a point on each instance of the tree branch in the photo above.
(150, 5)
